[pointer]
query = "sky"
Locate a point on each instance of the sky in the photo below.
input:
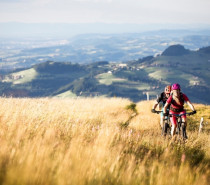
(106, 11)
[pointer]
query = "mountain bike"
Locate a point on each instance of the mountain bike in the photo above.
(181, 127)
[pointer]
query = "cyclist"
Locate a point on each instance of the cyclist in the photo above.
(176, 102)
(162, 99)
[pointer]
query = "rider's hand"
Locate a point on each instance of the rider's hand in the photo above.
(165, 114)
(153, 111)
(194, 112)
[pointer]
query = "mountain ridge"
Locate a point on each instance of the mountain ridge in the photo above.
(131, 79)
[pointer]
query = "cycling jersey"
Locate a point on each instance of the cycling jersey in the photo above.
(177, 105)
(162, 97)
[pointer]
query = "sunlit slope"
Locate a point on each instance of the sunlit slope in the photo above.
(22, 77)
(96, 141)
(152, 74)
(108, 79)
(44, 79)
(189, 69)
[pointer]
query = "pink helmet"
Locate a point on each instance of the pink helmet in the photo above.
(175, 87)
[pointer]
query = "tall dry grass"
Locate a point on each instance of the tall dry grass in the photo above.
(95, 141)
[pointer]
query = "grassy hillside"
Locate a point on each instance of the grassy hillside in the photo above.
(128, 80)
(97, 141)
(43, 79)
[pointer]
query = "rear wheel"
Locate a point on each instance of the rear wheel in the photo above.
(165, 129)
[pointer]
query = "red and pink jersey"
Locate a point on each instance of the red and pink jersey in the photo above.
(177, 105)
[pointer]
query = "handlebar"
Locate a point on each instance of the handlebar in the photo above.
(158, 112)
(179, 115)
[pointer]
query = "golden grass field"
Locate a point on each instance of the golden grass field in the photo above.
(97, 141)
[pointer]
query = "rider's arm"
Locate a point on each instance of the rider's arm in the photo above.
(168, 102)
(165, 107)
(155, 105)
(190, 105)
(188, 102)
(159, 99)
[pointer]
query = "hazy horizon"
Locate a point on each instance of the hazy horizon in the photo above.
(67, 18)
(68, 30)
(106, 11)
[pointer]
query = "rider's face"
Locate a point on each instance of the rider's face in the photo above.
(176, 92)
(167, 95)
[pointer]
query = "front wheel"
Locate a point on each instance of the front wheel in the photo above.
(165, 129)
(184, 134)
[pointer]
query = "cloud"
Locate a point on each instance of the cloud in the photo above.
(95, 1)
(12, 1)
(109, 11)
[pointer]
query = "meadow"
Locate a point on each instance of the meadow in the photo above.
(97, 141)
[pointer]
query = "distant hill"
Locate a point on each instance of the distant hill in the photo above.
(58, 68)
(131, 79)
(205, 50)
(175, 50)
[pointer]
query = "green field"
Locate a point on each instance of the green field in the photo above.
(108, 79)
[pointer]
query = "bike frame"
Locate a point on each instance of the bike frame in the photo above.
(181, 127)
